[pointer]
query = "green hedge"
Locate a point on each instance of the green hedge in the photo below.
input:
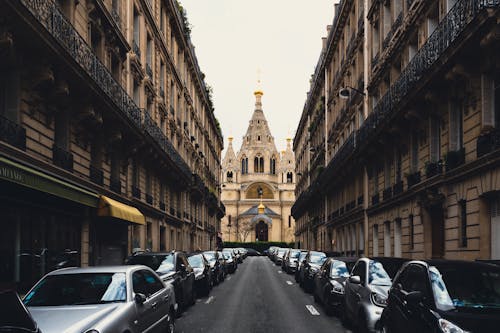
(259, 246)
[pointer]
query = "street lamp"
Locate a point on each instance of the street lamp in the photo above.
(345, 92)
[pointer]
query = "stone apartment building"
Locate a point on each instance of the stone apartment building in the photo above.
(404, 107)
(108, 141)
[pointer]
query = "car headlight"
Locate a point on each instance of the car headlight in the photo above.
(379, 300)
(448, 327)
(337, 288)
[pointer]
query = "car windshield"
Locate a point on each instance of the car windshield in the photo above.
(78, 289)
(196, 261)
(167, 265)
(294, 254)
(339, 269)
(281, 252)
(455, 287)
(377, 274)
(227, 255)
(152, 261)
(302, 256)
(317, 258)
(210, 256)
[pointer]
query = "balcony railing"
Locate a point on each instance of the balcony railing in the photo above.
(454, 159)
(62, 158)
(149, 199)
(96, 175)
(413, 179)
(162, 206)
(433, 168)
(375, 199)
(387, 193)
(115, 185)
(397, 188)
(51, 18)
(136, 192)
(12, 133)
(488, 142)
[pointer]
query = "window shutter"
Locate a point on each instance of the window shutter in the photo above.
(487, 101)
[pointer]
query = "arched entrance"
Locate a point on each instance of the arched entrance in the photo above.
(261, 231)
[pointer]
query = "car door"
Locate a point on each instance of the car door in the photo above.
(324, 280)
(146, 311)
(159, 300)
(353, 291)
(419, 313)
(397, 317)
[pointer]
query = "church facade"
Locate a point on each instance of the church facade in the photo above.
(258, 185)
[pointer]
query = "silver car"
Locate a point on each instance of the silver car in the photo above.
(366, 290)
(112, 299)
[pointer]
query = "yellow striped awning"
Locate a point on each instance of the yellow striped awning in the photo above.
(116, 209)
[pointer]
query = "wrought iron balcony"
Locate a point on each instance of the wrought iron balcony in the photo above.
(360, 200)
(487, 142)
(62, 158)
(115, 185)
(96, 175)
(413, 179)
(162, 206)
(375, 199)
(397, 188)
(12, 133)
(387, 193)
(149, 199)
(454, 159)
(136, 192)
(172, 211)
(433, 168)
(136, 49)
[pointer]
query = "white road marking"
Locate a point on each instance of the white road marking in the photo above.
(280, 272)
(228, 278)
(289, 283)
(312, 310)
(210, 299)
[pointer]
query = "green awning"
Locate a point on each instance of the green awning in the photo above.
(25, 176)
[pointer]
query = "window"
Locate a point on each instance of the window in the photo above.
(135, 174)
(361, 238)
(273, 166)
(462, 218)
(137, 31)
(397, 237)
(244, 165)
(411, 226)
(490, 95)
(387, 239)
(145, 282)
(435, 139)
(137, 93)
(387, 173)
(456, 124)
(289, 177)
(258, 164)
(229, 176)
(398, 163)
(375, 240)
(414, 152)
(149, 52)
(289, 221)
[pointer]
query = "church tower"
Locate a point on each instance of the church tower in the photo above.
(258, 185)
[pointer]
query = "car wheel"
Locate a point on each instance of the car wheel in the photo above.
(171, 322)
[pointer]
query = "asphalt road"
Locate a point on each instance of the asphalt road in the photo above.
(259, 297)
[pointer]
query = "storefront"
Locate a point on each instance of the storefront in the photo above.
(42, 219)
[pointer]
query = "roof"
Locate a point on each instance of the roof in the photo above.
(255, 211)
(96, 269)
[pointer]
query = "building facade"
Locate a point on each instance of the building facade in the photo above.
(108, 141)
(258, 185)
(408, 95)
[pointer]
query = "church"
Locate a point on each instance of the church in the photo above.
(258, 185)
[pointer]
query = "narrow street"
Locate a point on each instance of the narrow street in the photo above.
(258, 298)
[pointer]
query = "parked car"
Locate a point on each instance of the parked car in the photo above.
(217, 266)
(444, 296)
(309, 268)
(171, 267)
(300, 261)
(243, 252)
(273, 252)
(236, 254)
(102, 299)
(222, 260)
(253, 253)
(329, 283)
(270, 251)
(290, 261)
(366, 290)
(279, 255)
(231, 260)
(202, 273)
(14, 317)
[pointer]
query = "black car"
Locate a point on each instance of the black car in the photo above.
(300, 261)
(253, 252)
(329, 283)
(231, 260)
(217, 265)
(310, 266)
(14, 317)
(444, 296)
(171, 267)
(291, 260)
(202, 273)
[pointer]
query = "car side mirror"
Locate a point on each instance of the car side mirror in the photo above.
(355, 279)
(414, 297)
(140, 298)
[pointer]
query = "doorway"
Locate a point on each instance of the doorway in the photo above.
(437, 229)
(261, 231)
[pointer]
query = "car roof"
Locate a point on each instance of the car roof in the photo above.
(465, 263)
(97, 269)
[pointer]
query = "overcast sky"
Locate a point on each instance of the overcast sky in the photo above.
(234, 39)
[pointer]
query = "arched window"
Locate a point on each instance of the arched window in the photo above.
(258, 164)
(289, 177)
(244, 165)
(261, 164)
(229, 176)
(272, 166)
